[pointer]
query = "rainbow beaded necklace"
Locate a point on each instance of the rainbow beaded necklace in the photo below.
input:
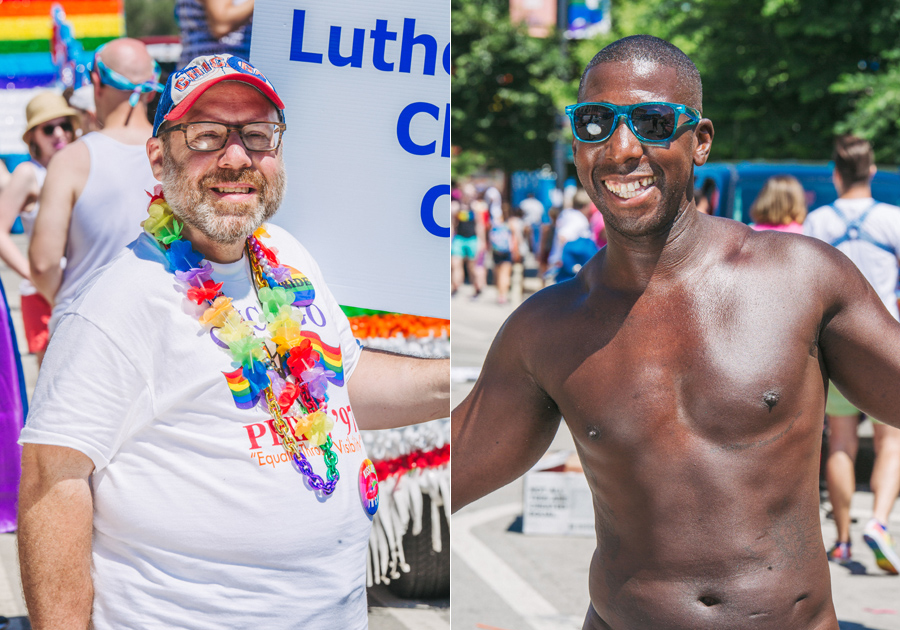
(292, 380)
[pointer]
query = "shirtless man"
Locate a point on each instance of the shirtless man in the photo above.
(690, 359)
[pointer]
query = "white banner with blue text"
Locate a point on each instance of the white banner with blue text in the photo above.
(366, 87)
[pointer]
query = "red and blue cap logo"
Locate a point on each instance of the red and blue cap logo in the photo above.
(185, 86)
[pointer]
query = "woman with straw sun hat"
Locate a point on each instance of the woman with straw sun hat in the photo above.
(51, 125)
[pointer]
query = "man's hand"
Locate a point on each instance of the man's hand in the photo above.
(390, 390)
(66, 176)
(224, 16)
(55, 528)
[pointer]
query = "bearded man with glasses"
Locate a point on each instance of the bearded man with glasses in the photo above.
(182, 466)
(690, 359)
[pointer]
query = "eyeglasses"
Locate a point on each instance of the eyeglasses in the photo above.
(50, 128)
(651, 123)
(212, 136)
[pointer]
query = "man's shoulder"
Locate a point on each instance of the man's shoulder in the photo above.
(72, 163)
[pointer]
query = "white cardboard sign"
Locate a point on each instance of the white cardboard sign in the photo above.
(366, 87)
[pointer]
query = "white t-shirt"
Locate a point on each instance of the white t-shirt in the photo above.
(200, 520)
(882, 224)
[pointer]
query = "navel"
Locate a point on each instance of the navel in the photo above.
(709, 600)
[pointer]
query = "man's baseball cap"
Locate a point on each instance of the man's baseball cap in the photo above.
(185, 86)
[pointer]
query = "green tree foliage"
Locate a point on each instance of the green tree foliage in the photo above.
(503, 89)
(875, 101)
(768, 67)
(150, 17)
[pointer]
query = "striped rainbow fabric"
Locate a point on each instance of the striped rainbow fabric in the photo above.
(331, 356)
(26, 30)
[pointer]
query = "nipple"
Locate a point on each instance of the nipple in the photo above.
(771, 398)
(593, 433)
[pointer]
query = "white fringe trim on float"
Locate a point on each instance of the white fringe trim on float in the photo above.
(400, 496)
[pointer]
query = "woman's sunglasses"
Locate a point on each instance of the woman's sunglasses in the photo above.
(651, 123)
(49, 128)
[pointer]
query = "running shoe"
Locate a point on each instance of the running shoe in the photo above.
(877, 537)
(840, 553)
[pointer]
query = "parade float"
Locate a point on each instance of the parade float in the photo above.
(410, 545)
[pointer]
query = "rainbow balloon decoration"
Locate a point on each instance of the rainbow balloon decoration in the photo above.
(37, 41)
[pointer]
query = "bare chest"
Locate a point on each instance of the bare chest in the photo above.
(729, 368)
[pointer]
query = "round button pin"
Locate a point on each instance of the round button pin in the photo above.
(368, 486)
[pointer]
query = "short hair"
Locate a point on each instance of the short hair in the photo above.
(654, 49)
(780, 202)
(853, 159)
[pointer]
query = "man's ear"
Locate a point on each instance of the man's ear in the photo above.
(703, 136)
(155, 154)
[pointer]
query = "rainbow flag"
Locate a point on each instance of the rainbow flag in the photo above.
(240, 389)
(27, 32)
(331, 357)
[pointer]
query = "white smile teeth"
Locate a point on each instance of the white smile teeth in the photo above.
(233, 190)
(630, 189)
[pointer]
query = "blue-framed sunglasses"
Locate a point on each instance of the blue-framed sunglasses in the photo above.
(651, 123)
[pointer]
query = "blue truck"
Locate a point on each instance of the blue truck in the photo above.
(736, 185)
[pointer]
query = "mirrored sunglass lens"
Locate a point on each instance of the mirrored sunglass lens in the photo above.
(593, 122)
(206, 137)
(654, 122)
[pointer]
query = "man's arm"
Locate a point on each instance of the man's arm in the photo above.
(506, 422)
(66, 176)
(224, 16)
(390, 390)
(860, 340)
(55, 528)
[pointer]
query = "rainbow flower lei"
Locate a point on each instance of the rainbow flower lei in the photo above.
(293, 380)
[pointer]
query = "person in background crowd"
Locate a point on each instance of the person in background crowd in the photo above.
(868, 232)
(780, 206)
(494, 200)
(467, 243)
(545, 245)
(598, 227)
(505, 251)
(94, 193)
(532, 211)
(82, 100)
(50, 126)
(210, 27)
(706, 197)
(573, 223)
(482, 209)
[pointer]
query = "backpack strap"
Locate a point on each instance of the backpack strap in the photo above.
(855, 232)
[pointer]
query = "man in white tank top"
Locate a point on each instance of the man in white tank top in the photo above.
(93, 198)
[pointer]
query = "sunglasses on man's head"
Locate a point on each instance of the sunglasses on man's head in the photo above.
(50, 128)
(651, 123)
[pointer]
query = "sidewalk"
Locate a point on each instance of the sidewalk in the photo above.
(504, 580)
(386, 612)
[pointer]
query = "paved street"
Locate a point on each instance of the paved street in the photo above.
(505, 580)
(386, 612)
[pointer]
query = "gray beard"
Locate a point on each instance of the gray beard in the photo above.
(220, 223)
